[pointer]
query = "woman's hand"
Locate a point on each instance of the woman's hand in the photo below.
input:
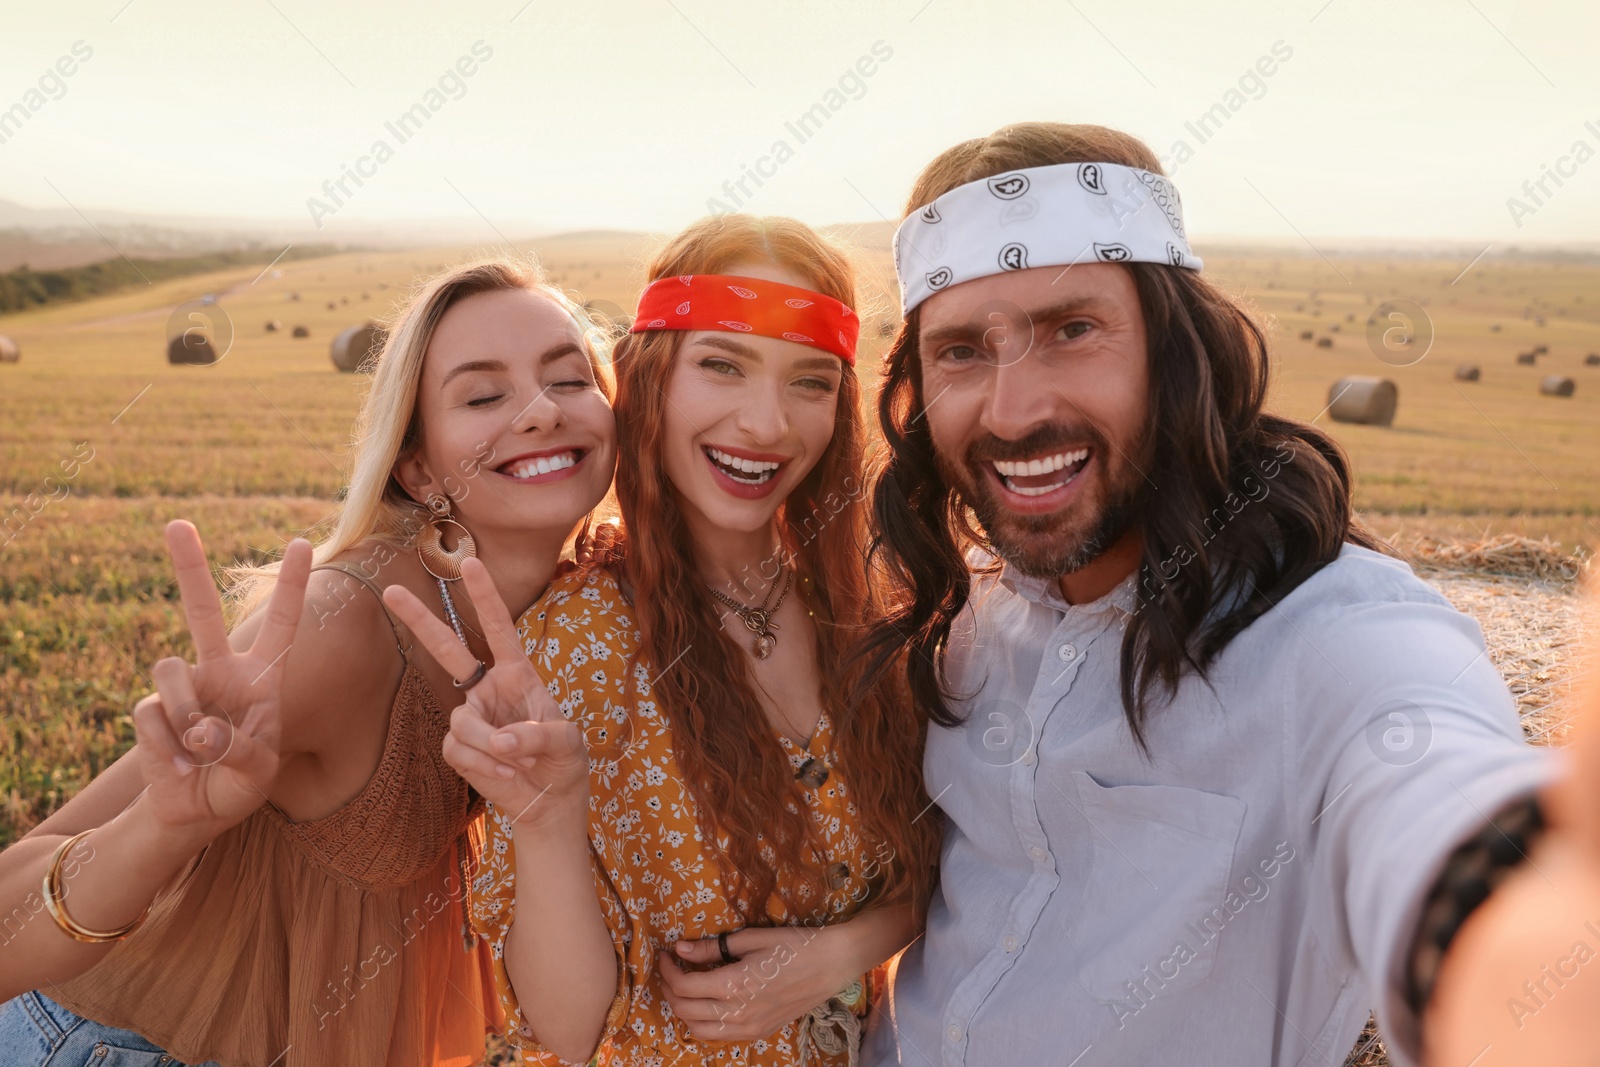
(508, 740)
(208, 740)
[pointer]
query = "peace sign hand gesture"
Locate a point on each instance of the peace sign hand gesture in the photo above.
(508, 740)
(208, 739)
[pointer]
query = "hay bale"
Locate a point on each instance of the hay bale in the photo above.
(1495, 328)
(273, 325)
(885, 328)
(357, 346)
(9, 352)
(1557, 385)
(1592, 359)
(294, 296)
(1541, 350)
(1360, 399)
(1324, 342)
(1468, 372)
(1527, 359)
(332, 306)
(191, 348)
(1306, 335)
(301, 331)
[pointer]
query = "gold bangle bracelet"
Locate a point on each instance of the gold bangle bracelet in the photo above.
(54, 892)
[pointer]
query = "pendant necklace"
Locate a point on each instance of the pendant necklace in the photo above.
(759, 620)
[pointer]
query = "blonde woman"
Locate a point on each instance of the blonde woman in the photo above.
(273, 875)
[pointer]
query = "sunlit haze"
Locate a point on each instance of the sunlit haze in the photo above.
(1346, 119)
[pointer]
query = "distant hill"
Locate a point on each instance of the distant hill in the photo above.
(25, 287)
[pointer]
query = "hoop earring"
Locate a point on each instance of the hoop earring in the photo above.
(445, 565)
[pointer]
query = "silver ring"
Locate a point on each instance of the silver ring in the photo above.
(477, 676)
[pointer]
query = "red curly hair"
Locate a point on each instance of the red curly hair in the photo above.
(735, 768)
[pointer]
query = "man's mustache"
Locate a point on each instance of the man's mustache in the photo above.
(1052, 437)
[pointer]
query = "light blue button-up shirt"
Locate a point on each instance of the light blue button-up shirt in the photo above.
(1242, 896)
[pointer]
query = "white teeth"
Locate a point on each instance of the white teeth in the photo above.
(530, 468)
(1023, 468)
(1035, 490)
(761, 468)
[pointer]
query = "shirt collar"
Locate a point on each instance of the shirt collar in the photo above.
(1120, 600)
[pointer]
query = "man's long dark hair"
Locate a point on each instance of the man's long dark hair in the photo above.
(1216, 556)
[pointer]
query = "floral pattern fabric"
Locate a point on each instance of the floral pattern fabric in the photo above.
(657, 876)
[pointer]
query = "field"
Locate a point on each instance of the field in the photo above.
(102, 442)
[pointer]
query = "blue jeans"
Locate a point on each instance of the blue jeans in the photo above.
(35, 1031)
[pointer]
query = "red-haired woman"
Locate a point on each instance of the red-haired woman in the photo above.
(699, 851)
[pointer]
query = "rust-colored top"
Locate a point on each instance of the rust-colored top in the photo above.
(342, 940)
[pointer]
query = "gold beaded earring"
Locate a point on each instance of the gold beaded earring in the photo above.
(443, 564)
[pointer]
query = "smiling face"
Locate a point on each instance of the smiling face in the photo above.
(746, 419)
(1035, 386)
(514, 427)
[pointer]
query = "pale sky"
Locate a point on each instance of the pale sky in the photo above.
(1403, 120)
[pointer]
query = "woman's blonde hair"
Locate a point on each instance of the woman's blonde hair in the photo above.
(374, 506)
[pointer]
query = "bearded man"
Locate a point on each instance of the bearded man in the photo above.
(1219, 775)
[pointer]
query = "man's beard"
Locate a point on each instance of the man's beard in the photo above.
(1050, 545)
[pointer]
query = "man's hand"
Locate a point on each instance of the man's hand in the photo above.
(782, 973)
(1520, 984)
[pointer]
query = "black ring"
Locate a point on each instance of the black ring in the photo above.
(722, 945)
(477, 676)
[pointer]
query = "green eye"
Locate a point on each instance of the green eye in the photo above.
(959, 353)
(1074, 330)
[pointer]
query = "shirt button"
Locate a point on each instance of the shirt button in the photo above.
(1011, 944)
(1038, 853)
(1068, 652)
(1027, 758)
(813, 772)
(954, 1033)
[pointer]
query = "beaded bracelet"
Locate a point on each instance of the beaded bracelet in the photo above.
(1472, 872)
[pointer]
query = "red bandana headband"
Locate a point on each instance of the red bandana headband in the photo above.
(749, 305)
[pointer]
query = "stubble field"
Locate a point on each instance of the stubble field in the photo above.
(102, 441)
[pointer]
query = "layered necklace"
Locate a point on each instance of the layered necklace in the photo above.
(758, 620)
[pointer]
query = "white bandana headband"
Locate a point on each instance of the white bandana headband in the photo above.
(1052, 216)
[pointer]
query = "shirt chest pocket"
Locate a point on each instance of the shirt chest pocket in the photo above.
(1157, 881)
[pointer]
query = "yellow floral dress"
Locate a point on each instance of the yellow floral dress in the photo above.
(658, 879)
